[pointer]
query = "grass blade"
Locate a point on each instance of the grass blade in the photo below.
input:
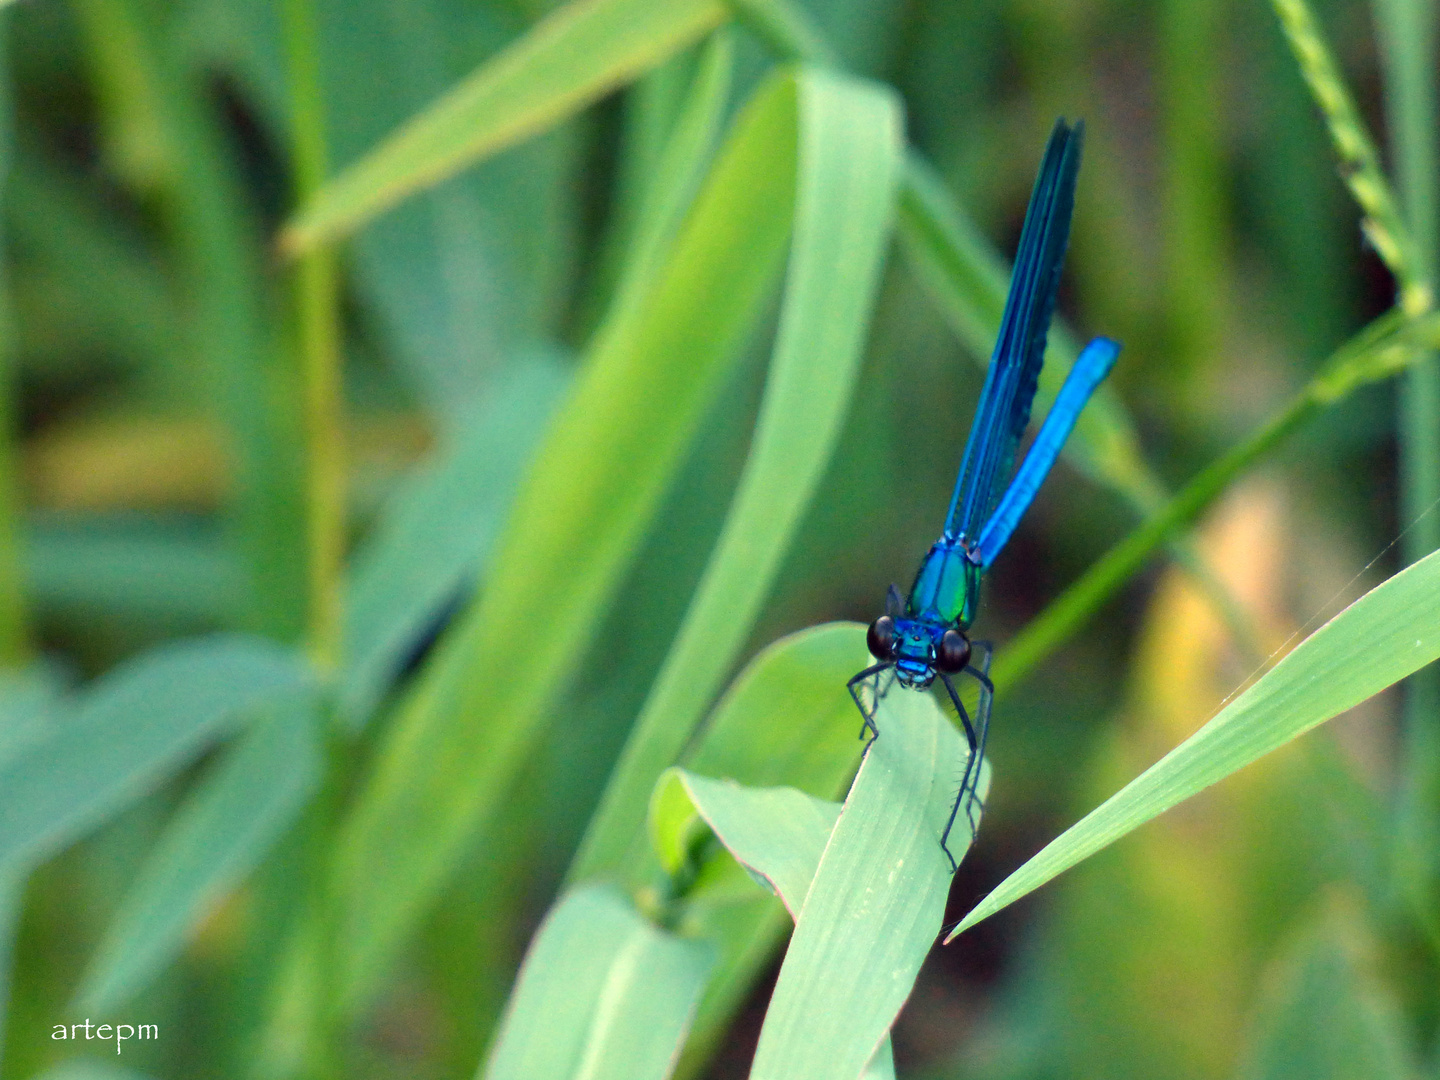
(786, 720)
(437, 533)
(572, 58)
(848, 160)
(876, 903)
(140, 721)
(778, 835)
(225, 827)
(602, 994)
(1388, 633)
(451, 756)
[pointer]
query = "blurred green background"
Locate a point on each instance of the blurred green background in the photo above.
(157, 481)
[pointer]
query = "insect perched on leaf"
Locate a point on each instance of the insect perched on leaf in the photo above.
(924, 635)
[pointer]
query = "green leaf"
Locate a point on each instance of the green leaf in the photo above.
(437, 533)
(225, 827)
(602, 994)
(787, 719)
(141, 721)
(1389, 632)
(778, 835)
(574, 57)
(1324, 1012)
(876, 903)
(670, 187)
(848, 162)
(481, 705)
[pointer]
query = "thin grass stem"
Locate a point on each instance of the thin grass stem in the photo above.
(1407, 31)
(315, 286)
(14, 638)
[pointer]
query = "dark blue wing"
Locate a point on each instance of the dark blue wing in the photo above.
(1004, 407)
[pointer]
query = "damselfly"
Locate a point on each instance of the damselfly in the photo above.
(924, 635)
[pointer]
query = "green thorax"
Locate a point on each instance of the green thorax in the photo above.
(947, 588)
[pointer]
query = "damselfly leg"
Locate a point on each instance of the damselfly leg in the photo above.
(975, 736)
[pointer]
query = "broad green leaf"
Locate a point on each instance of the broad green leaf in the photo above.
(479, 708)
(436, 535)
(574, 57)
(778, 835)
(848, 161)
(1325, 1013)
(876, 903)
(31, 701)
(602, 994)
(129, 729)
(787, 720)
(224, 828)
(1389, 632)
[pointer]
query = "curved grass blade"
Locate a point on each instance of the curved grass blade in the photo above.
(876, 903)
(221, 832)
(569, 60)
(602, 995)
(134, 725)
(450, 758)
(677, 173)
(435, 536)
(848, 160)
(778, 834)
(1391, 631)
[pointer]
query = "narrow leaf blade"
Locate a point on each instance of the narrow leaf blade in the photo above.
(221, 832)
(602, 994)
(131, 727)
(571, 59)
(1388, 633)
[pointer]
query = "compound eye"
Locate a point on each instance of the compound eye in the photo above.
(881, 638)
(954, 652)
